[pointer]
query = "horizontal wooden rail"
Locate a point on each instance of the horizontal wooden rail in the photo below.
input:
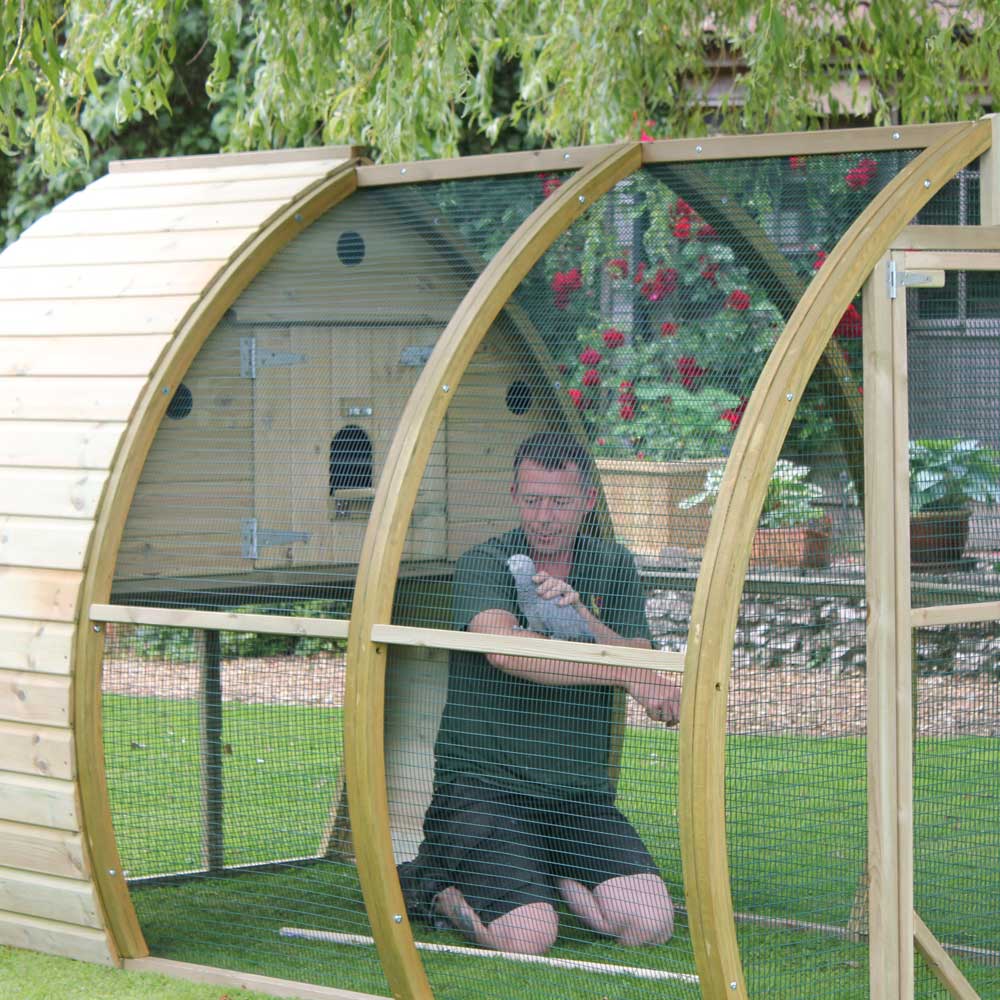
(542, 649)
(955, 614)
(948, 238)
(223, 621)
(950, 260)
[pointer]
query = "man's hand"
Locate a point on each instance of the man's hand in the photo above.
(659, 695)
(551, 588)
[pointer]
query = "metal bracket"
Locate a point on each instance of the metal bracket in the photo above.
(251, 359)
(415, 355)
(911, 279)
(253, 539)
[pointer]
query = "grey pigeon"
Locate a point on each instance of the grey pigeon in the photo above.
(547, 617)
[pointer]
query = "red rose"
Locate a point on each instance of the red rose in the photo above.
(626, 411)
(706, 232)
(735, 416)
(590, 357)
(577, 396)
(562, 369)
(668, 329)
(619, 264)
(682, 228)
(613, 338)
(550, 183)
(639, 272)
(683, 208)
(849, 327)
(626, 385)
(709, 272)
(797, 162)
(644, 136)
(738, 300)
(564, 282)
(690, 371)
(662, 285)
(863, 174)
(820, 259)
(591, 377)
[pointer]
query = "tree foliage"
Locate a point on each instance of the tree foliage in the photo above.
(81, 80)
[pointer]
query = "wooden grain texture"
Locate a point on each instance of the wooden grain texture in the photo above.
(106, 281)
(55, 938)
(60, 493)
(42, 646)
(326, 157)
(955, 614)
(37, 699)
(43, 594)
(38, 801)
(182, 170)
(44, 542)
(59, 444)
(38, 849)
(92, 399)
(716, 603)
(242, 980)
(57, 225)
(83, 317)
(386, 537)
(728, 147)
(77, 356)
(989, 178)
(150, 248)
(279, 228)
(27, 748)
(940, 963)
(223, 621)
(948, 238)
(48, 897)
(954, 260)
(543, 649)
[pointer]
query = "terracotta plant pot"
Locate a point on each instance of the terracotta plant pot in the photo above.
(938, 536)
(805, 546)
(643, 499)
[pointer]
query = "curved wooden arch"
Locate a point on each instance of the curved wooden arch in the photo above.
(364, 699)
(720, 583)
(191, 334)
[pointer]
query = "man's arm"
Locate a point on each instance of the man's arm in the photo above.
(658, 693)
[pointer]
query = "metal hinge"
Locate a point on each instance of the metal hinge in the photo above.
(253, 539)
(252, 359)
(909, 279)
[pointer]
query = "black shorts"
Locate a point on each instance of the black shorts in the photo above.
(504, 850)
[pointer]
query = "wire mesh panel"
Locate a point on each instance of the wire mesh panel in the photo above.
(953, 339)
(224, 754)
(590, 434)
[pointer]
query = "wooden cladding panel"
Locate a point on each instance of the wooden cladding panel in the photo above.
(39, 593)
(48, 897)
(107, 281)
(37, 849)
(59, 444)
(41, 750)
(121, 249)
(80, 356)
(154, 220)
(38, 699)
(86, 317)
(51, 492)
(55, 938)
(45, 543)
(68, 398)
(45, 647)
(181, 171)
(48, 802)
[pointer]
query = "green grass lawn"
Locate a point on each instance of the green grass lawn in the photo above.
(796, 827)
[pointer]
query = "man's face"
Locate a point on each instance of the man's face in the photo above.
(552, 504)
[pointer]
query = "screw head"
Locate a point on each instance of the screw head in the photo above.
(402, 170)
(398, 918)
(790, 396)
(97, 628)
(565, 156)
(697, 148)
(927, 184)
(298, 216)
(581, 199)
(895, 135)
(445, 388)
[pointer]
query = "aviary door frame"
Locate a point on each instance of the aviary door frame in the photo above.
(894, 926)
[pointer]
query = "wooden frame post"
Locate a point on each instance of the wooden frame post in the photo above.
(890, 736)
(212, 846)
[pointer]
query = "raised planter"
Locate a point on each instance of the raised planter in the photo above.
(805, 546)
(938, 536)
(643, 499)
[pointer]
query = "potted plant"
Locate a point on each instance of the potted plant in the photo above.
(794, 530)
(946, 476)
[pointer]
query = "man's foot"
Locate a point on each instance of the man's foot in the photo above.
(451, 905)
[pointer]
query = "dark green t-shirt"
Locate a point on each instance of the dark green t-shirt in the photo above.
(509, 732)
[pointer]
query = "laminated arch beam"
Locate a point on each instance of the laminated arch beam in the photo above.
(106, 301)
(364, 747)
(727, 552)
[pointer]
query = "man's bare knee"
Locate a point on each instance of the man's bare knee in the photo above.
(638, 909)
(528, 930)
